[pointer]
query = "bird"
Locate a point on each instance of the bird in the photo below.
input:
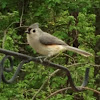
(48, 45)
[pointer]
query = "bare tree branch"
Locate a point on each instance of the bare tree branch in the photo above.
(64, 89)
(21, 18)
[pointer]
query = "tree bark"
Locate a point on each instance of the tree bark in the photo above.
(97, 49)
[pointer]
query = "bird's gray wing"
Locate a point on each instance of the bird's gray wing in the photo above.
(48, 39)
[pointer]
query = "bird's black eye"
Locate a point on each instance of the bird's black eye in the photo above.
(34, 31)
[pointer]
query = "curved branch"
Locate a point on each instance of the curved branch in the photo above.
(9, 69)
(26, 59)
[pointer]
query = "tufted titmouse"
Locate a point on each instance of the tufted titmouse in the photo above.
(47, 44)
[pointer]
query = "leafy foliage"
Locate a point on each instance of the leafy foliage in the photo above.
(68, 20)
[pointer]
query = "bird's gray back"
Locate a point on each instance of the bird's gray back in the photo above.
(48, 39)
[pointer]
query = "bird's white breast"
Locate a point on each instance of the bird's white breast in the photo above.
(36, 45)
(43, 49)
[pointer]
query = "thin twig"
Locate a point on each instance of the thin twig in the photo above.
(76, 36)
(4, 38)
(64, 89)
(87, 88)
(70, 57)
(51, 75)
(54, 93)
(76, 64)
(5, 32)
(21, 18)
(21, 27)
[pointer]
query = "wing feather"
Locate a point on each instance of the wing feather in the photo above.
(48, 39)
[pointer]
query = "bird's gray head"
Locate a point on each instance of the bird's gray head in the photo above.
(33, 29)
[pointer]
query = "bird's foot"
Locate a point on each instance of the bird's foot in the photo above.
(42, 58)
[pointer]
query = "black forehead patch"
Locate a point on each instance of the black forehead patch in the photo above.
(29, 29)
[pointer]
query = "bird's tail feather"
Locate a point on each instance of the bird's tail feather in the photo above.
(82, 52)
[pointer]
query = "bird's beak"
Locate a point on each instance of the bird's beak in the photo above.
(26, 31)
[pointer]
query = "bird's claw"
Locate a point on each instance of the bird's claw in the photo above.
(42, 58)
